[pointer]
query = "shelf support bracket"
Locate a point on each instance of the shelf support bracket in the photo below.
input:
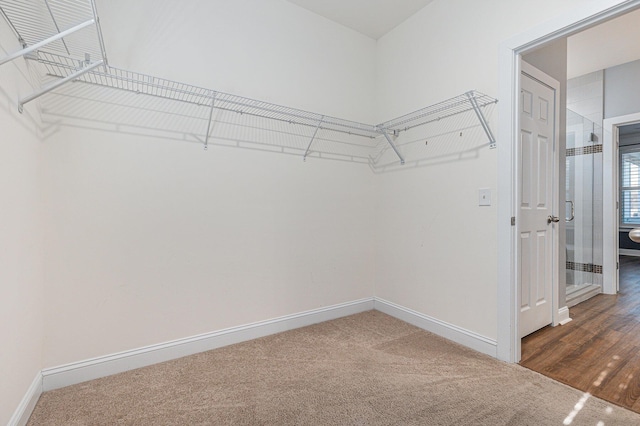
(312, 138)
(483, 120)
(57, 84)
(393, 145)
(213, 104)
(38, 45)
(103, 51)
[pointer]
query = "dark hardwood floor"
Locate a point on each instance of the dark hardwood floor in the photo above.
(599, 351)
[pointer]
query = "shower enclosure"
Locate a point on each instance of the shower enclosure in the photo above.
(583, 208)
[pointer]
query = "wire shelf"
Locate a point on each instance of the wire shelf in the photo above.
(35, 21)
(61, 66)
(116, 78)
(457, 105)
(65, 39)
(125, 112)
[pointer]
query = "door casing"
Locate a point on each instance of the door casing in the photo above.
(611, 212)
(511, 50)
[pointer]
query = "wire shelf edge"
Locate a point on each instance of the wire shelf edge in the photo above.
(115, 78)
(65, 37)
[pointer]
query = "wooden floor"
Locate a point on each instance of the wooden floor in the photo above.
(599, 351)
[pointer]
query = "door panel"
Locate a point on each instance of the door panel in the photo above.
(526, 274)
(544, 152)
(537, 169)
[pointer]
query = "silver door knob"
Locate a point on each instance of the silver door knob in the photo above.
(554, 219)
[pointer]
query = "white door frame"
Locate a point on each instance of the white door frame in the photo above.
(588, 15)
(610, 192)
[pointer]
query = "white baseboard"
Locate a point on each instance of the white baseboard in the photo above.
(77, 372)
(583, 294)
(25, 408)
(563, 315)
(441, 328)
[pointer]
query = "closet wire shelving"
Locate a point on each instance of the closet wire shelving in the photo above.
(64, 37)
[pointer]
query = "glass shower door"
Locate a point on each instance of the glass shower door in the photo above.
(583, 177)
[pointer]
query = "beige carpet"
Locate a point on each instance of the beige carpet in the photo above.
(366, 369)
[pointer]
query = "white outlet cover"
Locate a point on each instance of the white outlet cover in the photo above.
(484, 196)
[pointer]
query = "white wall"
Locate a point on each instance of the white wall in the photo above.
(21, 243)
(150, 240)
(437, 248)
(585, 96)
(621, 89)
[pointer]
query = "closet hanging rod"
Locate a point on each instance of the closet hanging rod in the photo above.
(57, 84)
(43, 43)
(55, 23)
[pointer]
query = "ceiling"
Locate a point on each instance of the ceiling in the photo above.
(373, 18)
(609, 44)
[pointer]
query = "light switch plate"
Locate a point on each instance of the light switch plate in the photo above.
(484, 196)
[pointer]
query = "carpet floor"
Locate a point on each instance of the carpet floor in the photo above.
(365, 369)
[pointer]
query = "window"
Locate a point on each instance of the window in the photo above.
(630, 185)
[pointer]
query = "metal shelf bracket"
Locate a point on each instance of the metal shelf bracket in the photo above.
(99, 30)
(393, 145)
(312, 138)
(213, 105)
(481, 117)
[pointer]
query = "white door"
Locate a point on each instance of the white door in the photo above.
(537, 215)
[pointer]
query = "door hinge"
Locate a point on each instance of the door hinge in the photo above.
(513, 221)
(617, 265)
